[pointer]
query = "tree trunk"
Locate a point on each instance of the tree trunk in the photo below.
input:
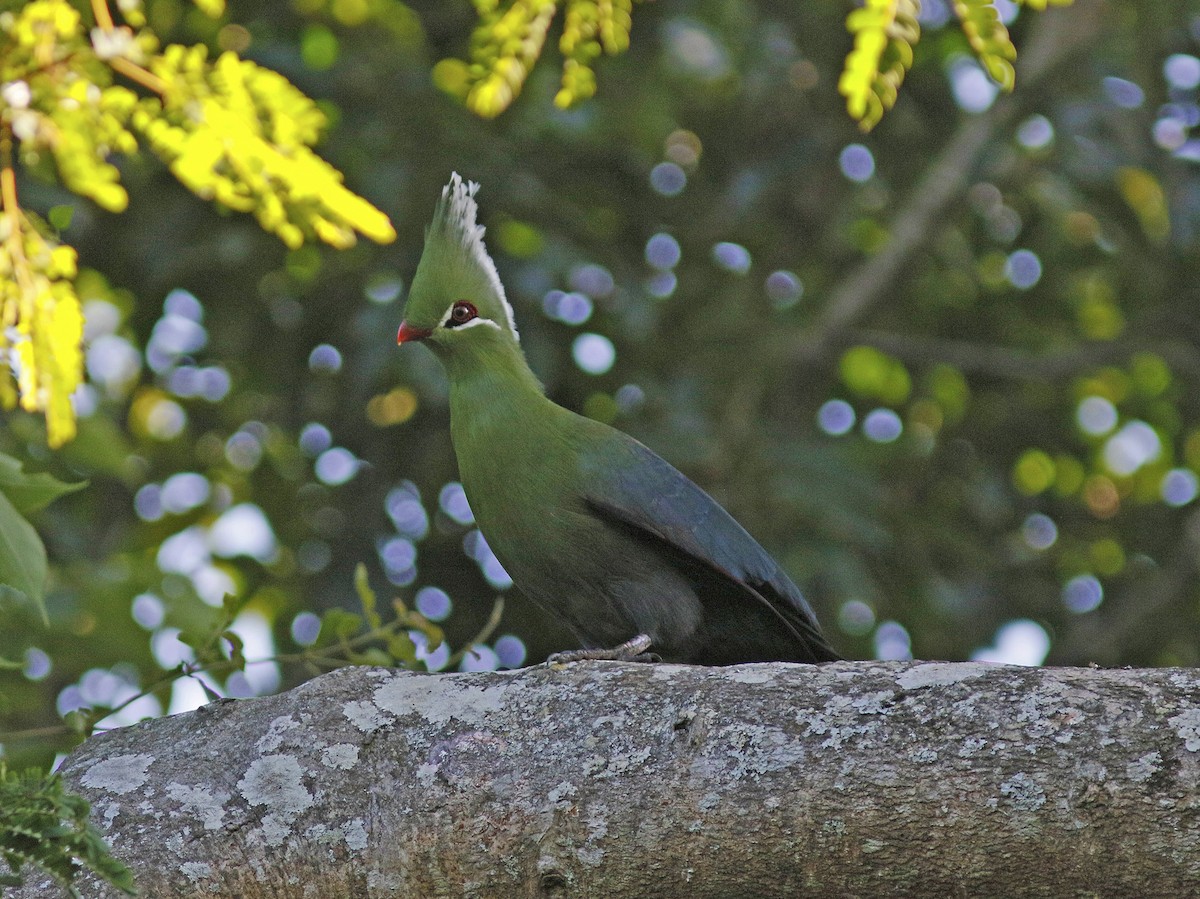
(602, 779)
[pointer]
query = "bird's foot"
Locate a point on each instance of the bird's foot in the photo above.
(630, 651)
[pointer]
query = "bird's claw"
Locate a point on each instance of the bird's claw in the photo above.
(630, 651)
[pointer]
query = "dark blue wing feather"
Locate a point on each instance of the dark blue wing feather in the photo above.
(634, 487)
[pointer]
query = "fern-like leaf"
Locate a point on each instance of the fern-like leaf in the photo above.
(504, 48)
(989, 39)
(884, 34)
(45, 826)
(590, 27)
(510, 37)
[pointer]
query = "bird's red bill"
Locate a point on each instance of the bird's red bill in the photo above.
(407, 332)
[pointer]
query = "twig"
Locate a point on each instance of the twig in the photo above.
(489, 626)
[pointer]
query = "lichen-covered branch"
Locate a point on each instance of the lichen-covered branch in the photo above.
(605, 779)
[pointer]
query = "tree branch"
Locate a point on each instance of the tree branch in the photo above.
(603, 779)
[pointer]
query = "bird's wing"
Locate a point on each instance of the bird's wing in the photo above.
(647, 494)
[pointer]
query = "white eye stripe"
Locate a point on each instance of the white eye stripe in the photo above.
(477, 321)
(467, 324)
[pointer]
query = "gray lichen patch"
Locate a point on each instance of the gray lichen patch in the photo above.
(1187, 725)
(439, 702)
(752, 674)
(340, 755)
(195, 871)
(276, 733)
(1144, 768)
(355, 834)
(366, 716)
(1022, 792)
(119, 774)
(205, 802)
(941, 674)
(275, 781)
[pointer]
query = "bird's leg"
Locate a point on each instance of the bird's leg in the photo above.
(630, 651)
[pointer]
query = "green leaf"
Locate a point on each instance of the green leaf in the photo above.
(338, 624)
(30, 492)
(402, 648)
(237, 650)
(366, 596)
(60, 217)
(22, 558)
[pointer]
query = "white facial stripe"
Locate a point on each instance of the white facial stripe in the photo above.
(476, 321)
(471, 324)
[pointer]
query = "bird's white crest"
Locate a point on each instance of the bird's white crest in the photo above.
(455, 217)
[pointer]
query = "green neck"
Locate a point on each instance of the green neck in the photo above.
(491, 386)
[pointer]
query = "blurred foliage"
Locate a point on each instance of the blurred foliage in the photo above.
(22, 555)
(999, 442)
(510, 36)
(46, 826)
(228, 129)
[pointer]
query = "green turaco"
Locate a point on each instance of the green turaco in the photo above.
(589, 523)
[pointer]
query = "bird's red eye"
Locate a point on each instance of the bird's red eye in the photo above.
(461, 313)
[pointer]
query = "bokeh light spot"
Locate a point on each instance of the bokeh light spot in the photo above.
(243, 530)
(306, 627)
(510, 651)
(594, 353)
(973, 90)
(856, 618)
(1082, 593)
(1096, 416)
(882, 425)
(1123, 93)
(453, 501)
(1135, 445)
(336, 466)
(1179, 487)
(1182, 71)
(1039, 531)
(892, 642)
(668, 179)
(1023, 269)
(315, 439)
(479, 657)
(38, 664)
(395, 407)
(592, 280)
(1035, 133)
(434, 603)
(836, 417)
(663, 251)
(148, 611)
(1020, 642)
(325, 358)
(784, 289)
(184, 491)
(857, 163)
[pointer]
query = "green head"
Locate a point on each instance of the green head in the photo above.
(457, 301)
